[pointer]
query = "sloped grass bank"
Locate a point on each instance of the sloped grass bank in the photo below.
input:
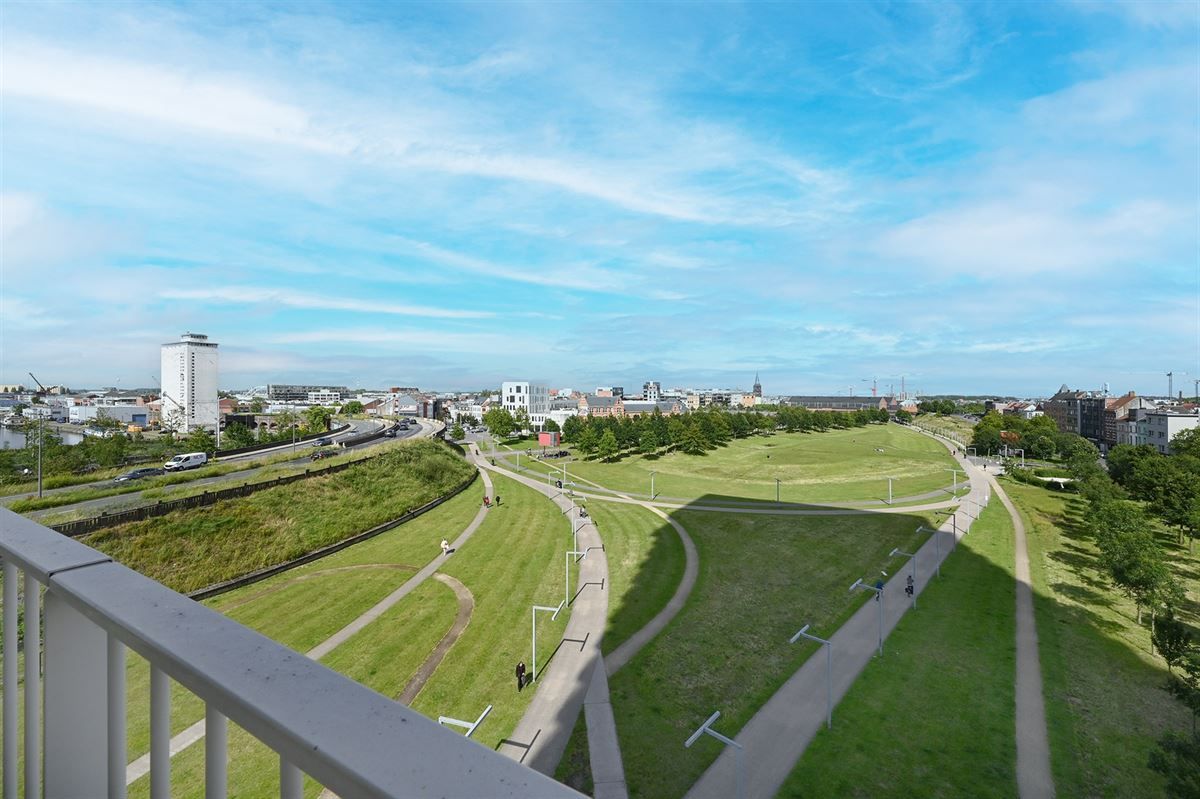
(191, 549)
(935, 716)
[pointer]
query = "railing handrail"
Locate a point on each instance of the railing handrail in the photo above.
(349, 738)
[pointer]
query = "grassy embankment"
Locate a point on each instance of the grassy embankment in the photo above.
(1105, 703)
(386, 654)
(935, 717)
(188, 550)
(773, 570)
(833, 466)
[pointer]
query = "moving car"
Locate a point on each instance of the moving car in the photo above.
(323, 442)
(321, 454)
(137, 474)
(190, 460)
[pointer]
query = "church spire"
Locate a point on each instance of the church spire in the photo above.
(757, 386)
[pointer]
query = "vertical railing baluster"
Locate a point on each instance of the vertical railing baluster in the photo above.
(160, 734)
(216, 739)
(33, 686)
(291, 781)
(10, 680)
(117, 741)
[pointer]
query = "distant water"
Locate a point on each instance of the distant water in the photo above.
(13, 439)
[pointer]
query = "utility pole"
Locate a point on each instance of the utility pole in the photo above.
(1170, 385)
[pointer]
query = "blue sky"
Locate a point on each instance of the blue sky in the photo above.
(986, 198)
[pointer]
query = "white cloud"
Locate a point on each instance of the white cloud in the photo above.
(260, 295)
(429, 341)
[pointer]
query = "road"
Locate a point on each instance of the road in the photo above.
(424, 428)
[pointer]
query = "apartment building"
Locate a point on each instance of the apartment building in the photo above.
(1158, 428)
(533, 398)
(189, 383)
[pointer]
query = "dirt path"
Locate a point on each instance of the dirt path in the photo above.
(466, 606)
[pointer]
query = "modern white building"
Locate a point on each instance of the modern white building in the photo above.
(1157, 428)
(533, 398)
(189, 383)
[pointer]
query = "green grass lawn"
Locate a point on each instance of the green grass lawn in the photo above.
(935, 716)
(761, 578)
(834, 466)
(1105, 703)
(188, 550)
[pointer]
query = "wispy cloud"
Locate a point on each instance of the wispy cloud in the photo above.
(261, 295)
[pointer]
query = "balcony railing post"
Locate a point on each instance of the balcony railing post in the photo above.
(117, 739)
(76, 702)
(160, 734)
(33, 686)
(10, 680)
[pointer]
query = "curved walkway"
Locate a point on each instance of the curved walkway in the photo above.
(466, 606)
(141, 766)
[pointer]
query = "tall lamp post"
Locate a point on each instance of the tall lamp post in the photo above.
(803, 633)
(776, 490)
(41, 423)
(937, 547)
(912, 559)
(652, 494)
(533, 674)
(567, 574)
(859, 585)
(739, 766)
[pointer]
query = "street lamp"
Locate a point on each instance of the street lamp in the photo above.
(739, 766)
(470, 726)
(859, 585)
(937, 547)
(533, 674)
(652, 493)
(912, 558)
(889, 491)
(41, 435)
(803, 633)
(567, 574)
(955, 473)
(776, 490)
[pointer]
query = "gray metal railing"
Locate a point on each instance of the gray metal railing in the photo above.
(350, 739)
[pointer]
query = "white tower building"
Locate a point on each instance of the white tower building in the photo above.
(189, 384)
(533, 398)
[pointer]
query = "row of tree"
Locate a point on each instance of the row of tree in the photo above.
(1124, 503)
(1039, 437)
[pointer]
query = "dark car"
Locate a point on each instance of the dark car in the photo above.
(138, 474)
(323, 442)
(321, 454)
(390, 433)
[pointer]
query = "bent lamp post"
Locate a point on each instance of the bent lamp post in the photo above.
(859, 585)
(470, 726)
(739, 766)
(533, 673)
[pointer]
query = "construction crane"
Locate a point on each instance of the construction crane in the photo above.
(1171, 383)
(874, 385)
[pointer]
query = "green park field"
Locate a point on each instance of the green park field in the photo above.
(832, 466)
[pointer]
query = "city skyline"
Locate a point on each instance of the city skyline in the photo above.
(987, 200)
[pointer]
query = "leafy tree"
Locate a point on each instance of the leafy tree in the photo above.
(551, 426)
(572, 427)
(200, 440)
(693, 441)
(903, 416)
(587, 440)
(607, 447)
(1178, 759)
(237, 435)
(499, 422)
(353, 407)
(1136, 564)
(521, 421)
(457, 432)
(648, 441)
(316, 419)
(256, 405)
(1187, 443)
(676, 432)
(1172, 639)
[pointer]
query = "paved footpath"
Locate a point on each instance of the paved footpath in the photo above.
(566, 672)
(777, 735)
(141, 766)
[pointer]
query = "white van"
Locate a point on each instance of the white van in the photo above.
(190, 460)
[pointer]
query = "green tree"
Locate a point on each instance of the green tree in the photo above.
(237, 435)
(693, 442)
(316, 419)
(903, 416)
(353, 407)
(572, 427)
(648, 441)
(1177, 758)
(499, 422)
(200, 440)
(521, 421)
(457, 432)
(1172, 639)
(256, 405)
(587, 440)
(551, 426)
(607, 447)
(676, 431)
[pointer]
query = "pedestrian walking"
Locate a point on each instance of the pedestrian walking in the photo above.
(520, 675)
(497, 500)
(487, 503)
(909, 587)
(445, 547)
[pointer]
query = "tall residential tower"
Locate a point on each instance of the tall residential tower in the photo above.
(189, 384)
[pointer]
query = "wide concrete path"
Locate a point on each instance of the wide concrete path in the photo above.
(777, 735)
(141, 766)
(1035, 780)
(541, 736)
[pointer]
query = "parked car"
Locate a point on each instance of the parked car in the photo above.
(137, 474)
(324, 441)
(190, 460)
(321, 454)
